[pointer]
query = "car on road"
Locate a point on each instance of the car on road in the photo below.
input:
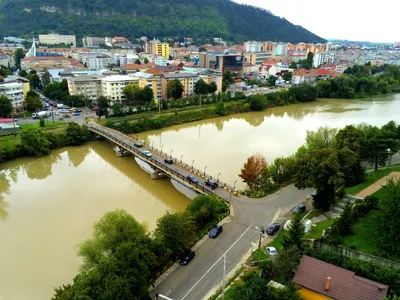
(215, 231)
(273, 228)
(211, 183)
(146, 153)
(271, 251)
(187, 257)
(192, 179)
(138, 144)
(168, 161)
(299, 208)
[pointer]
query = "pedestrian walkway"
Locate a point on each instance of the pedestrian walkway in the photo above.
(377, 185)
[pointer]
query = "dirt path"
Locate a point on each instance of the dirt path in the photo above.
(378, 184)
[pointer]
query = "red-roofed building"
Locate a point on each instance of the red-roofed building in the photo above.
(133, 68)
(320, 280)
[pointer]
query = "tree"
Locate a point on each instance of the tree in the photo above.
(287, 76)
(303, 92)
(286, 262)
(253, 170)
(18, 55)
(145, 60)
(33, 102)
(258, 102)
(117, 110)
(324, 137)
(102, 103)
(174, 89)
(212, 87)
(177, 231)
(45, 77)
(137, 61)
(319, 169)
(310, 59)
(34, 142)
(76, 134)
(132, 93)
(293, 237)
(272, 80)
(293, 65)
(41, 121)
(346, 220)
(201, 87)
(387, 221)
(206, 209)
(34, 80)
(220, 108)
(350, 137)
(5, 106)
(146, 96)
(227, 80)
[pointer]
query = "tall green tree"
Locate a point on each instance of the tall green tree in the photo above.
(45, 77)
(137, 61)
(34, 142)
(346, 220)
(293, 237)
(132, 93)
(5, 106)
(18, 55)
(177, 231)
(174, 89)
(324, 137)
(146, 96)
(201, 87)
(387, 221)
(310, 59)
(103, 105)
(145, 60)
(76, 134)
(33, 102)
(272, 80)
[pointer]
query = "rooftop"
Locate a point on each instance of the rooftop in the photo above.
(180, 75)
(117, 78)
(137, 66)
(344, 285)
(45, 58)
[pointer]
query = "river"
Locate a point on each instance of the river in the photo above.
(48, 205)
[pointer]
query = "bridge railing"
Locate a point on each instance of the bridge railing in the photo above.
(161, 166)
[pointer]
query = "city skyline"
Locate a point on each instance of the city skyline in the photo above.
(346, 20)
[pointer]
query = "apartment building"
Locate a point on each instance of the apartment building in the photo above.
(220, 61)
(89, 86)
(93, 42)
(53, 39)
(151, 80)
(7, 59)
(188, 81)
(256, 58)
(161, 49)
(95, 61)
(15, 90)
(160, 61)
(46, 62)
(253, 46)
(112, 86)
(321, 58)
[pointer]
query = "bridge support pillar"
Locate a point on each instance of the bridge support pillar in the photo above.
(120, 152)
(158, 175)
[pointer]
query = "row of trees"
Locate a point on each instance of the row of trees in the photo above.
(328, 160)
(122, 257)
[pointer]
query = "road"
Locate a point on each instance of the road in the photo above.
(205, 272)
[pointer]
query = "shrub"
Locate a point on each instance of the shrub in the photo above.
(41, 122)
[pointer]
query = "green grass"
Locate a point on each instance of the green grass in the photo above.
(26, 114)
(314, 213)
(277, 241)
(316, 231)
(370, 179)
(47, 125)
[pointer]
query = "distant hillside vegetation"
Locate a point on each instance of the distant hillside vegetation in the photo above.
(133, 18)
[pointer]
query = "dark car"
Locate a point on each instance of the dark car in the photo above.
(299, 208)
(192, 179)
(211, 183)
(187, 257)
(273, 228)
(168, 161)
(138, 144)
(215, 231)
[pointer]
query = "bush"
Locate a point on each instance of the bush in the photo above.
(258, 102)
(220, 108)
(206, 210)
(41, 122)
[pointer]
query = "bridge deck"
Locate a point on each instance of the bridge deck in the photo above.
(176, 171)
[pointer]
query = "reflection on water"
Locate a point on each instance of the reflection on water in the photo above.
(52, 203)
(223, 144)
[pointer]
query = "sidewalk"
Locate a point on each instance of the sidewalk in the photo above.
(377, 185)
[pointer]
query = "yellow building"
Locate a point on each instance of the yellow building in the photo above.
(161, 49)
(153, 81)
(187, 80)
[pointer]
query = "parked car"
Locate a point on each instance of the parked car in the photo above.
(271, 251)
(168, 161)
(299, 208)
(146, 153)
(215, 231)
(187, 257)
(192, 179)
(138, 144)
(76, 114)
(273, 228)
(211, 183)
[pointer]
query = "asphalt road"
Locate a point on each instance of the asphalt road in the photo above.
(205, 271)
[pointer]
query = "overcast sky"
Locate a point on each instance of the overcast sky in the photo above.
(360, 20)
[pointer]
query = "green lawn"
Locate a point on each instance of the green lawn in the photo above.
(47, 125)
(316, 231)
(277, 242)
(370, 179)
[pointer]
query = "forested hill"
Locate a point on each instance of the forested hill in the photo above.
(159, 18)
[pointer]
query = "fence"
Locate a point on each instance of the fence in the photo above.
(355, 254)
(153, 161)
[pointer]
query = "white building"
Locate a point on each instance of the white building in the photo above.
(281, 49)
(53, 39)
(7, 60)
(112, 86)
(131, 59)
(89, 41)
(253, 46)
(321, 58)
(160, 61)
(98, 62)
(13, 90)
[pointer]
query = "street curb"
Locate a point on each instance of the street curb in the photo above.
(176, 264)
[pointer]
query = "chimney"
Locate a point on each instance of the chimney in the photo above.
(327, 283)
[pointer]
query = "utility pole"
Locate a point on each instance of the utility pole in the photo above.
(223, 279)
(259, 246)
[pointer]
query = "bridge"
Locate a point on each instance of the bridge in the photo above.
(177, 171)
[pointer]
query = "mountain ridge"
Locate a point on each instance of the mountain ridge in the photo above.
(131, 18)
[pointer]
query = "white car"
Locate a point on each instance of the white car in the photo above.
(271, 251)
(146, 153)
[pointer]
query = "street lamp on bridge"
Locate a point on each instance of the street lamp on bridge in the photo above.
(234, 190)
(181, 157)
(161, 148)
(192, 163)
(205, 168)
(152, 143)
(170, 154)
(218, 177)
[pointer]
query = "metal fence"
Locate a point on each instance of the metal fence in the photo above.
(154, 162)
